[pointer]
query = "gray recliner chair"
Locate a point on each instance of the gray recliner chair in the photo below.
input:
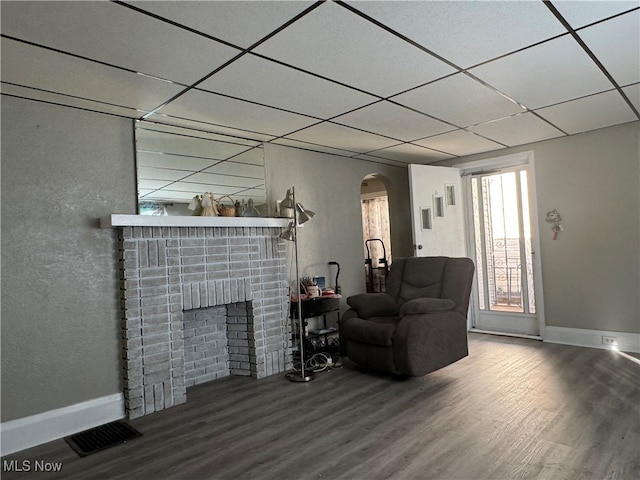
(419, 325)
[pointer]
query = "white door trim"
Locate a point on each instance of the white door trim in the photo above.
(502, 163)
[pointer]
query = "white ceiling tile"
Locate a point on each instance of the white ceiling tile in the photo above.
(207, 107)
(616, 43)
(225, 180)
(459, 143)
(409, 153)
(288, 142)
(589, 113)
(259, 80)
(393, 121)
(164, 160)
(187, 145)
(633, 92)
(379, 159)
(116, 35)
(546, 74)
(150, 184)
(153, 173)
(39, 68)
(460, 100)
(250, 158)
(341, 137)
(162, 118)
(237, 169)
(336, 43)
(241, 23)
(467, 32)
(581, 13)
(189, 132)
(518, 130)
(197, 188)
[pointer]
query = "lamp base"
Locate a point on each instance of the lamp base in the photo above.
(298, 377)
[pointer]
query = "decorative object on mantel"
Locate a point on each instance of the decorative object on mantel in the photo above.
(298, 216)
(250, 209)
(239, 208)
(206, 205)
(196, 205)
(554, 217)
(227, 211)
(209, 206)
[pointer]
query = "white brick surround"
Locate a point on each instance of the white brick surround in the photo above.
(167, 270)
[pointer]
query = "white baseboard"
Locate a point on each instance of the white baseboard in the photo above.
(627, 342)
(28, 432)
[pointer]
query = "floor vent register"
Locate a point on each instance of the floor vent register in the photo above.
(102, 437)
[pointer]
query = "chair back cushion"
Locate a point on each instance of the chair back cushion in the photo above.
(435, 277)
(416, 277)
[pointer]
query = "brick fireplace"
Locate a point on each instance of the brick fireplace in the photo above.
(202, 298)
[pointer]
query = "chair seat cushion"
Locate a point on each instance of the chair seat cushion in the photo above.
(373, 331)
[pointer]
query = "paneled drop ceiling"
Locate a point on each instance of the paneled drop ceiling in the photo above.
(393, 82)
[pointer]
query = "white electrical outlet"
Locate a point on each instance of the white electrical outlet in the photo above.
(607, 340)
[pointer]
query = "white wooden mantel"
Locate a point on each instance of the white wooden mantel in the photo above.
(122, 220)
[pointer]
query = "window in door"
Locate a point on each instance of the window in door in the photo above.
(503, 244)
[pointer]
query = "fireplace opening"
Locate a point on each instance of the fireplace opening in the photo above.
(216, 342)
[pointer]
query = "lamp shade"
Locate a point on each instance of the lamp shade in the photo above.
(304, 215)
(289, 233)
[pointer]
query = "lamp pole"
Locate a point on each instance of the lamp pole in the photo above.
(302, 376)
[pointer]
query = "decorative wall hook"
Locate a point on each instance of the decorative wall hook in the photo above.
(554, 217)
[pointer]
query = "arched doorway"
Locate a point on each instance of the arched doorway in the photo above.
(376, 232)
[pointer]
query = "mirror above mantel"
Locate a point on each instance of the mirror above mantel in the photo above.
(174, 164)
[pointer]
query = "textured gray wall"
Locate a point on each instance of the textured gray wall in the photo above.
(591, 274)
(61, 170)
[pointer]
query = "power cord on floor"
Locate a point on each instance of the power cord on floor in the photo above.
(320, 362)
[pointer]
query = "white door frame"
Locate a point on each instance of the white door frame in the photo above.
(495, 163)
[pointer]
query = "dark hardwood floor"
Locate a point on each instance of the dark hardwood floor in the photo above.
(513, 409)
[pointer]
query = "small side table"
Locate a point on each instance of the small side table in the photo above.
(317, 340)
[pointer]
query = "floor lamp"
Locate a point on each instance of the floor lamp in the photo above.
(298, 216)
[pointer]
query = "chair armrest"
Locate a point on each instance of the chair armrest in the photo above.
(427, 342)
(419, 306)
(373, 305)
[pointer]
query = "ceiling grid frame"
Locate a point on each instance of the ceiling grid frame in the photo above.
(19, 81)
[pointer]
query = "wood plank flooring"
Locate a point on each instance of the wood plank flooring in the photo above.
(513, 409)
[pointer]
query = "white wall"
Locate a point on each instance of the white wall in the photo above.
(591, 274)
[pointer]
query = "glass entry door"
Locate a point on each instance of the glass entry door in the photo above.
(502, 245)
